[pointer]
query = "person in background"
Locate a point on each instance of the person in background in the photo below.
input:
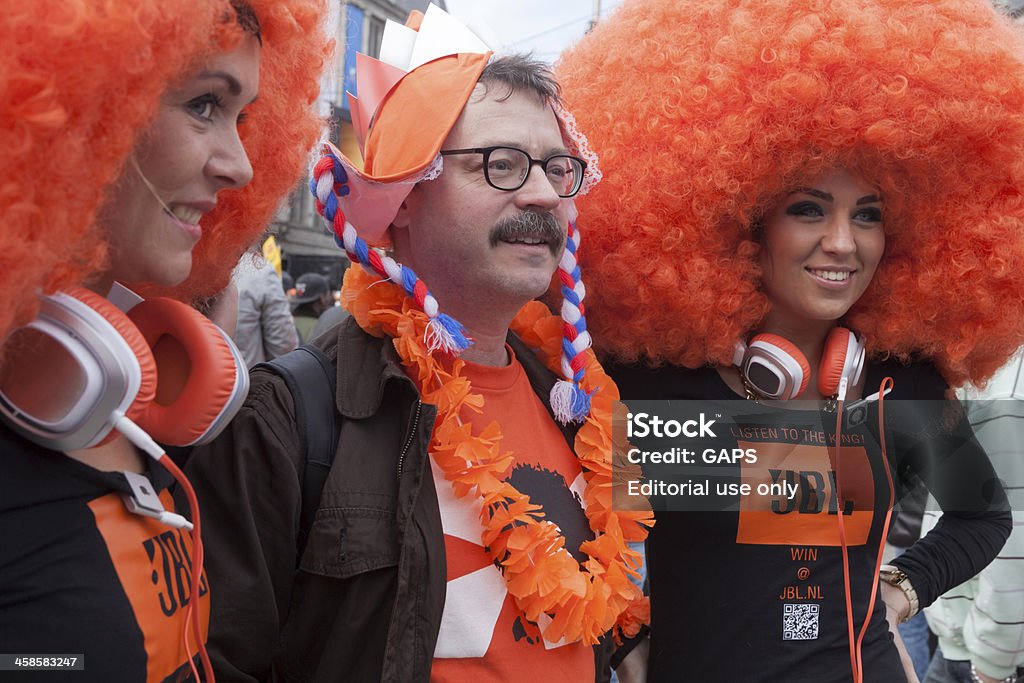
(980, 623)
(312, 296)
(144, 144)
(334, 315)
(265, 328)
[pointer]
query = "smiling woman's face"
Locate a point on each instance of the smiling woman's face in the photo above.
(191, 151)
(822, 245)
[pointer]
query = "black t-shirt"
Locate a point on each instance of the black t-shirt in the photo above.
(758, 594)
(79, 574)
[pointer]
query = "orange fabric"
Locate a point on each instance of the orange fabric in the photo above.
(514, 650)
(833, 360)
(414, 119)
(130, 333)
(810, 518)
(198, 361)
(463, 557)
(153, 563)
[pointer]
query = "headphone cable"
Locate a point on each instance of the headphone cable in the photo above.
(856, 654)
(841, 507)
(883, 389)
(145, 442)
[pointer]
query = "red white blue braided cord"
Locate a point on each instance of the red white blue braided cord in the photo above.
(569, 402)
(328, 184)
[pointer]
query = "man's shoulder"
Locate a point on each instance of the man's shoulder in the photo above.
(348, 342)
(268, 388)
(328, 319)
(364, 365)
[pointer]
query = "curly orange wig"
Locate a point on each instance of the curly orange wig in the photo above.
(80, 81)
(705, 113)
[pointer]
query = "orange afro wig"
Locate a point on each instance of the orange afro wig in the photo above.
(80, 81)
(705, 112)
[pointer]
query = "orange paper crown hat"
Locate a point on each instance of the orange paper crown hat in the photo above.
(408, 101)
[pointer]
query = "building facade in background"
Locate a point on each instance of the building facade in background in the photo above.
(357, 26)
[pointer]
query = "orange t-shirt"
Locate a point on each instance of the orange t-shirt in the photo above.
(484, 635)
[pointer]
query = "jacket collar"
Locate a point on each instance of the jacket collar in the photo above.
(365, 365)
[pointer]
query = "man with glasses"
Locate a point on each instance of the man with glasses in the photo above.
(447, 418)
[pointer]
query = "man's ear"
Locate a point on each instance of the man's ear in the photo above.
(398, 231)
(401, 219)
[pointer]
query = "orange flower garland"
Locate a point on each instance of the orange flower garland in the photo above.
(584, 601)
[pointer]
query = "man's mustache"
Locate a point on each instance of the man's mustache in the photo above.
(530, 224)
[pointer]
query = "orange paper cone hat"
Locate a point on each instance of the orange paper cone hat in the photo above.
(408, 101)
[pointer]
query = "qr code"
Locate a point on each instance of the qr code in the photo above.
(800, 621)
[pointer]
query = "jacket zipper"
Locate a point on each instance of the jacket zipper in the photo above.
(412, 435)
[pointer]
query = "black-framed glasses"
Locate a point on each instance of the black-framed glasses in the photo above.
(507, 168)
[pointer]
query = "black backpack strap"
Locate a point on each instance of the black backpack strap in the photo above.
(311, 380)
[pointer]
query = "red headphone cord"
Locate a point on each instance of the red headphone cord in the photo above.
(191, 619)
(841, 506)
(144, 442)
(856, 659)
(883, 389)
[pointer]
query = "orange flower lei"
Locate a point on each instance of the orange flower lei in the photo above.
(584, 601)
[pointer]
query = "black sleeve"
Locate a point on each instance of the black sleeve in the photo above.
(628, 645)
(249, 496)
(935, 441)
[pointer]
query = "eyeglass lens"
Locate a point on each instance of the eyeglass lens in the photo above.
(508, 167)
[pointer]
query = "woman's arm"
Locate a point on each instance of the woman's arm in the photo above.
(934, 440)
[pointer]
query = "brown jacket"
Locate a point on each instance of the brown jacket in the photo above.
(366, 601)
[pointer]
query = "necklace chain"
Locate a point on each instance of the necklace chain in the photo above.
(751, 393)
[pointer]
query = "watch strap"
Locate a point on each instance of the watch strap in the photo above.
(894, 576)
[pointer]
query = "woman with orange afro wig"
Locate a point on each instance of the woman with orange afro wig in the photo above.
(135, 151)
(788, 185)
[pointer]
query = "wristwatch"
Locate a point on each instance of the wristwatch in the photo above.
(894, 576)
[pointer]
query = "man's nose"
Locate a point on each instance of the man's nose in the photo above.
(537, 192)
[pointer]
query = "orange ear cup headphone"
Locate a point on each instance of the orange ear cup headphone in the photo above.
(777, 369)
(72, 373)
(201, 377)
